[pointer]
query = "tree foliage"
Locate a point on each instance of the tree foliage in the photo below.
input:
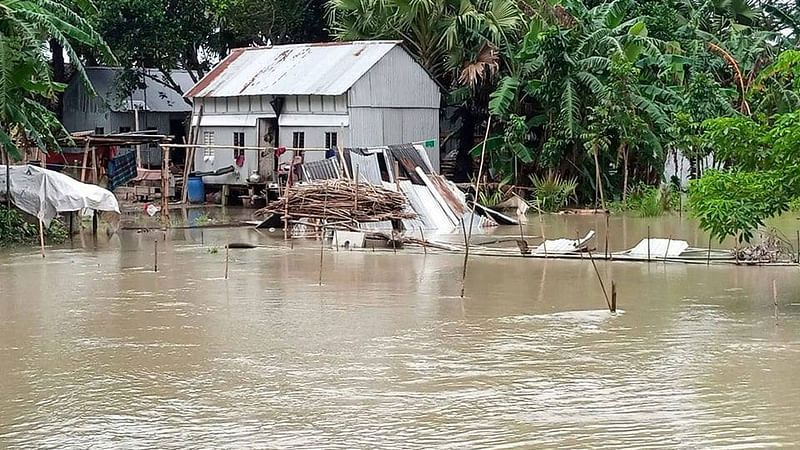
(26, 81)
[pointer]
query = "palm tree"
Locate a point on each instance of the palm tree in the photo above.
(445, 36)
(25, 77)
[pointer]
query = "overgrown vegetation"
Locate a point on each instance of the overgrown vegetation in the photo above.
(16, 230)
(607, 92)
(552, 193)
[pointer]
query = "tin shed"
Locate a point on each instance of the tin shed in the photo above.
(353, 94)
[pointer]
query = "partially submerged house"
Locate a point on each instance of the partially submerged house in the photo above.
(353, 94)
(155, 106)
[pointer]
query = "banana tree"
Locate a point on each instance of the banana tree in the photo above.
(25, 76)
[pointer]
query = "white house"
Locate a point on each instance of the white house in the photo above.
(347, 94)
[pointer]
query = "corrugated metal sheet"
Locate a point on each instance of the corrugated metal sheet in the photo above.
(563, 245)
(325, 169)
(300, 69)
(368, 168)
(426, 207)
(659, 248)
(156, 97)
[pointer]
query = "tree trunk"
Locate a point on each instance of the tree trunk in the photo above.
(599, 185)
(466, 140)
(59, 75)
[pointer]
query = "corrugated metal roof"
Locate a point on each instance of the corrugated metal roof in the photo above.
(156, 97)
(659, 248)
(299, 69)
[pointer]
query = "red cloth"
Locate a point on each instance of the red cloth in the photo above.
(280, 150)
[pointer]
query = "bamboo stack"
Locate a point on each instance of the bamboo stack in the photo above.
(340, 200)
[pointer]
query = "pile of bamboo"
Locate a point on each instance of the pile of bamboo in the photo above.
(340, 200)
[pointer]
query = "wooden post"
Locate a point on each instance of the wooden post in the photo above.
(708, 256)
(164, 185)
(8, 178)
(287, 196)
(322, 235)
(666, 253)
(226, 192)
(95, 180)
(606, 250)
(541, 229)
(41, 235)
(155, 255)
(71, 224)
(355, 199)
(775, 299)
(94, 223)
(466, 256)
(424, 242)
(227, 255)
(613, 296)
(85, 160)
(599, 278)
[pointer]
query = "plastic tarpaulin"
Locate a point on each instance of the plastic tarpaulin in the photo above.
(45, 193)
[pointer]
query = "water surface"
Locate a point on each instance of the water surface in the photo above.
(97, 350)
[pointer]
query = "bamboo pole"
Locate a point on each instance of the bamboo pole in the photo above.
(164, 185)
(322, 237)
(424, 242)
(287, 193)
(41, 235)
(599, 278)
(155, 255)
(613, 296)
(355, 197)
(474, 202)
(775, 299)
(85, 160)
(606, 250)
(648, 243)
(8, 177)
(708, 256)
(666, 253)
(466, 256)
(227, 254)
(94, 166)
(541, 229)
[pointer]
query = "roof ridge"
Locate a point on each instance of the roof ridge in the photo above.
(321, 44)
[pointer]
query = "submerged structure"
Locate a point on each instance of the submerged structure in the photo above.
(327, 95)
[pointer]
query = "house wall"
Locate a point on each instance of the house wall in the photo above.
(83, 112)
(395, 102)
(250, 109)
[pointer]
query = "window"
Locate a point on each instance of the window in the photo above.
(124, 129)
(331, 140)
(238, 141)
(298, 139)
(208, 139)
(99, 131)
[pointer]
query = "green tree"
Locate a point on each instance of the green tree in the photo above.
(26, 82)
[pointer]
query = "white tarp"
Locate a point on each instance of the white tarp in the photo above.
(45, 193)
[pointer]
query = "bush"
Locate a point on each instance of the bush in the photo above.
(651, 201)
(551, 192)
(16, 230)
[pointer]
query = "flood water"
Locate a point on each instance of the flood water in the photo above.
(98, 351)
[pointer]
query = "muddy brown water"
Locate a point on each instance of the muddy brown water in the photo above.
(98, 351)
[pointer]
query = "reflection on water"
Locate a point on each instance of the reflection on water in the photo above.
(98, 350)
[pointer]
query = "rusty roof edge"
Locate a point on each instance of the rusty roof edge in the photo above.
(215, 72)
